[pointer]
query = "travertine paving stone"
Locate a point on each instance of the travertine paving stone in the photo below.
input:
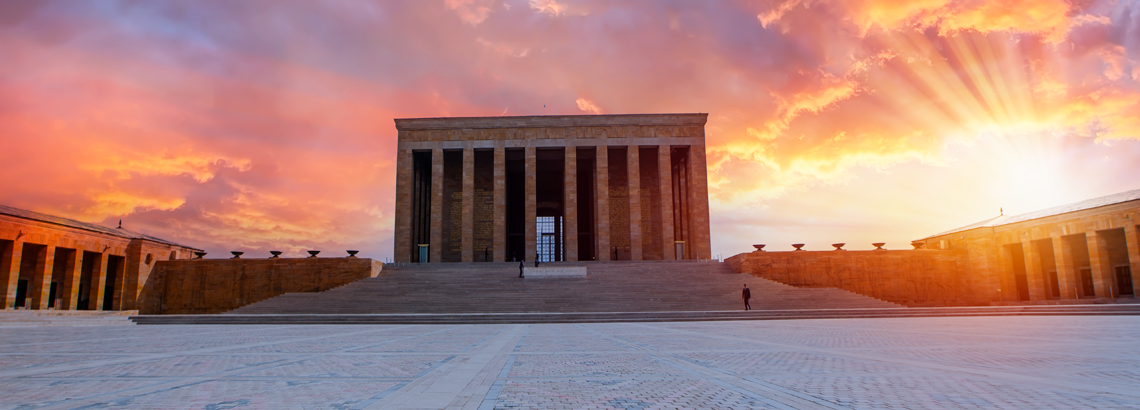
(905, 363)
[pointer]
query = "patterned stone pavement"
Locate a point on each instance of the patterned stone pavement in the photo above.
(903, 363)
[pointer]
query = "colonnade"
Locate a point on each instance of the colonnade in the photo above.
(1098, 263)
(679, 214)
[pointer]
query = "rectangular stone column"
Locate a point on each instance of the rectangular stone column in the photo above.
(1101, 265)
(633, 170)
(402, 226)
(467, 228)
(570, 205)
(1066, 273)
(1132, 238)
(664, 167)
(1006, 275)
(40, 284)
(700, 236)
(499, 223)
(69, 289)
(531, 203)
(1034, 276)
(10, 272)
(602, 201)
(435, 237)
(98, 282)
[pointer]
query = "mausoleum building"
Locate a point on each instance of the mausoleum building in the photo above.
(559, 188)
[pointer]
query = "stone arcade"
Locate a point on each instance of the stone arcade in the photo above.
(49, 262)
(564, 188)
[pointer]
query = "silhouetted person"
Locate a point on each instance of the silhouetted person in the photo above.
(536, 261)
(521, 267)
(747, 294)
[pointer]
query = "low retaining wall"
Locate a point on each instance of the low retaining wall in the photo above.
(203, 286)
(908, 277)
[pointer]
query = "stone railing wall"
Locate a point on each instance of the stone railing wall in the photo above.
(205, 286)
(909, 277)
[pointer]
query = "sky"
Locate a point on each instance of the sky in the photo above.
(268, 125)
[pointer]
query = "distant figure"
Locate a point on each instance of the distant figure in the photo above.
(521, 268)
(747, 294)
(536, 261)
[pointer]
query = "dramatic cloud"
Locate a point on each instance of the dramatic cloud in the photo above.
(262, 125)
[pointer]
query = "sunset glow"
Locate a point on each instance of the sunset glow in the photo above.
(257, 126)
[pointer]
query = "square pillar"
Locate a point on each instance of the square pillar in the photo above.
(10, 258)
(633, 168)
(665, 176)
(570, 205)
(602, 200)
(467, 229)
(1006, 279)
(700, 235)
(69, 289)
(435, 237)
(531, 203)
(1034, 275)
(402, 228)
(1066, 273)
(1101, 265)
(1132, 238)
(499, 222)
(98, 282)
(40, 284)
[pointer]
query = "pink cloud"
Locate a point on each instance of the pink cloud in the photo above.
(268, 125)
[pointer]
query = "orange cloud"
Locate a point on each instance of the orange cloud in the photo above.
(259, 126)
(588, 106)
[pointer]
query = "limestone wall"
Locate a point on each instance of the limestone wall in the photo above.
(910, 277)
(204, 286)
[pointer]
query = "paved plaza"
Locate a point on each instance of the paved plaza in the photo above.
(912, 363)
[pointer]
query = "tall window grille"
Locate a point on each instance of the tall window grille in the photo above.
(549, 230)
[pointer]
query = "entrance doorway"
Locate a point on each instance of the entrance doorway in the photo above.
(1124, 280)
(549, 238)
(1086, 282)
(21, 293)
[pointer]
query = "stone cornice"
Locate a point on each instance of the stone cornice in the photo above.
(551, 121)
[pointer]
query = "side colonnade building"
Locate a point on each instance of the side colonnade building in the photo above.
(49, 262)
(559, 188)
(1084, 250)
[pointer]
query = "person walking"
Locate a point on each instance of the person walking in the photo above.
(521, 267)
(747, 294)
(536, 261)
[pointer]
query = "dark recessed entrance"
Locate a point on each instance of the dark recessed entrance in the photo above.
(516, 204)
(1124, 280)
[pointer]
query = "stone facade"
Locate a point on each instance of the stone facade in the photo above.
(48, 262)
(206, 286)
(624, 186)
(1087, 251)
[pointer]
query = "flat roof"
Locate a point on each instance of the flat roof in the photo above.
(71, 223)
(551, 121)
(1107, 200)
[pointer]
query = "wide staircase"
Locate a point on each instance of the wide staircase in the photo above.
(642, 286)
(644, 291)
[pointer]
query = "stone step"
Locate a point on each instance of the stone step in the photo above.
(618, 286)
(661, 316)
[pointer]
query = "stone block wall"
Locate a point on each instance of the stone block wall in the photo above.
(910, 277)
(206, 286)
